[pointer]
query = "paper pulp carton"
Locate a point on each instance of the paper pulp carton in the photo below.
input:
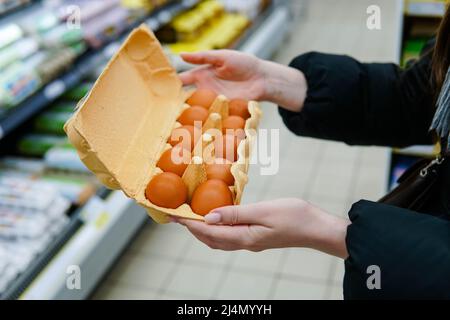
(122, 126)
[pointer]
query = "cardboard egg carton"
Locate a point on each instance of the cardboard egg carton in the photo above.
(121, 128)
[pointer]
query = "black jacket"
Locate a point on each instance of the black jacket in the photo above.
(381, 104)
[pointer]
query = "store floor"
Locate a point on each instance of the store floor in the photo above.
(166, 262)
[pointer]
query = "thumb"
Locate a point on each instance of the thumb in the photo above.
(234, 215)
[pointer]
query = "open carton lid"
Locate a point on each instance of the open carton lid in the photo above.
(121, 128)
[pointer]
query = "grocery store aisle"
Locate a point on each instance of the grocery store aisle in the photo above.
(165, 262)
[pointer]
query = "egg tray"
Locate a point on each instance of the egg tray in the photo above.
(121, 128)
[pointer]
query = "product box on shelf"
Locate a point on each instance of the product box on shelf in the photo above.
(123, 125)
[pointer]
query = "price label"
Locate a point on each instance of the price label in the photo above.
(54, 89)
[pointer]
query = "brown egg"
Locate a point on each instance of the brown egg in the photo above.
(239, 107)
(167, 190)
(179, 135)
(226, 147)
(203, 98)
(211, 195)
(175, 160)
(232, 125)
(193, 114)
(220, 170)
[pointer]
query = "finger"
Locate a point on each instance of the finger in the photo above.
(207, 57)
(223, 235)
(235, 215)
(187, 78)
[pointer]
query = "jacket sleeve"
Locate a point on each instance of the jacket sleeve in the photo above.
(363, 104)
(411, 251)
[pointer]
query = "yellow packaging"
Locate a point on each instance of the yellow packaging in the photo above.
(121, 128)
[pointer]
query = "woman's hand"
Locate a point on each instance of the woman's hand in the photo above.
(274, 224)
(240, 75)
(232, 73)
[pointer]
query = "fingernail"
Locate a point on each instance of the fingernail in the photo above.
(213, 218)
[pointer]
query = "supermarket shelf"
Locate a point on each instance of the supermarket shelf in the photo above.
(36, 266)
(266, 36)
(108, 227)
(85, 64)
(262, 39)
(109, 224)
(12, 14)
(431, 9)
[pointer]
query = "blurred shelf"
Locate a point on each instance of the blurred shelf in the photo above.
(13, 12)
(24, 279)
(428, 9)
(262, 39)
(106, 224)
(16, 116)
(104, 228)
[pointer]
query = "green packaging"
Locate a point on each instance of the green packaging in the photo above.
(79, 92)
(38, 144)
(52, 122)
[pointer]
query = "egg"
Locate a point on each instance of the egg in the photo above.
(203, 98)
(226, 147)
(239, 107)
(188, 135)
(193, 114)
(175, 160)
(167, 190)
(220, 170)
(211, 195)
(233, 124)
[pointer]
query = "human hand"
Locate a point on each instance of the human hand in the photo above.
(242, 76)
(232, 73)
(274, 224)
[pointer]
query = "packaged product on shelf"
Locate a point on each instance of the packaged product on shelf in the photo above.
(89, 9)
(106, 27)
(8, 5)
(64, 158)
(24, 165)
(63, 106)
(61, 36)
(52, 122)
(249, 8)
(31, 215)
(144, 4)
(132, 134)
(18, 51)
(17, 82)
(77, 188)
(189, 25)
(56, 61)
(39, 22)
(9, 34)
(39, 144)
(205, 27)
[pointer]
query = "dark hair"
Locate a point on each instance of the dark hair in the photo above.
(441, 54)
